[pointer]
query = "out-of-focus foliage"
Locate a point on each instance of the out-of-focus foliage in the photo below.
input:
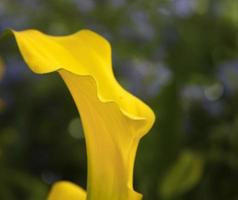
(180, 56)
(183, 175)
(2, 68)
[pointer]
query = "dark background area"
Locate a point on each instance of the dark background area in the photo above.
(179, 56)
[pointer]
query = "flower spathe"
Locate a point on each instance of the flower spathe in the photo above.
(113, 119)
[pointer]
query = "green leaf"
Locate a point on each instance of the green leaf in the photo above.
(183, 176)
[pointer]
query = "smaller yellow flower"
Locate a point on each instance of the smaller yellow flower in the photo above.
(66, 191)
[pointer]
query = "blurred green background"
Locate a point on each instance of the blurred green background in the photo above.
(179, 56)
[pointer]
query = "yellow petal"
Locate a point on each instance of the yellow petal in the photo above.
(66, 191)
(113, 119)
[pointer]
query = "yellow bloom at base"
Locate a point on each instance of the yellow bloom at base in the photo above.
(113, 119)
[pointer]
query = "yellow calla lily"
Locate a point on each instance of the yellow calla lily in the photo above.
(113, 120)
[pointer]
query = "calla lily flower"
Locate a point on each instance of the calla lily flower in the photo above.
(113, 119)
